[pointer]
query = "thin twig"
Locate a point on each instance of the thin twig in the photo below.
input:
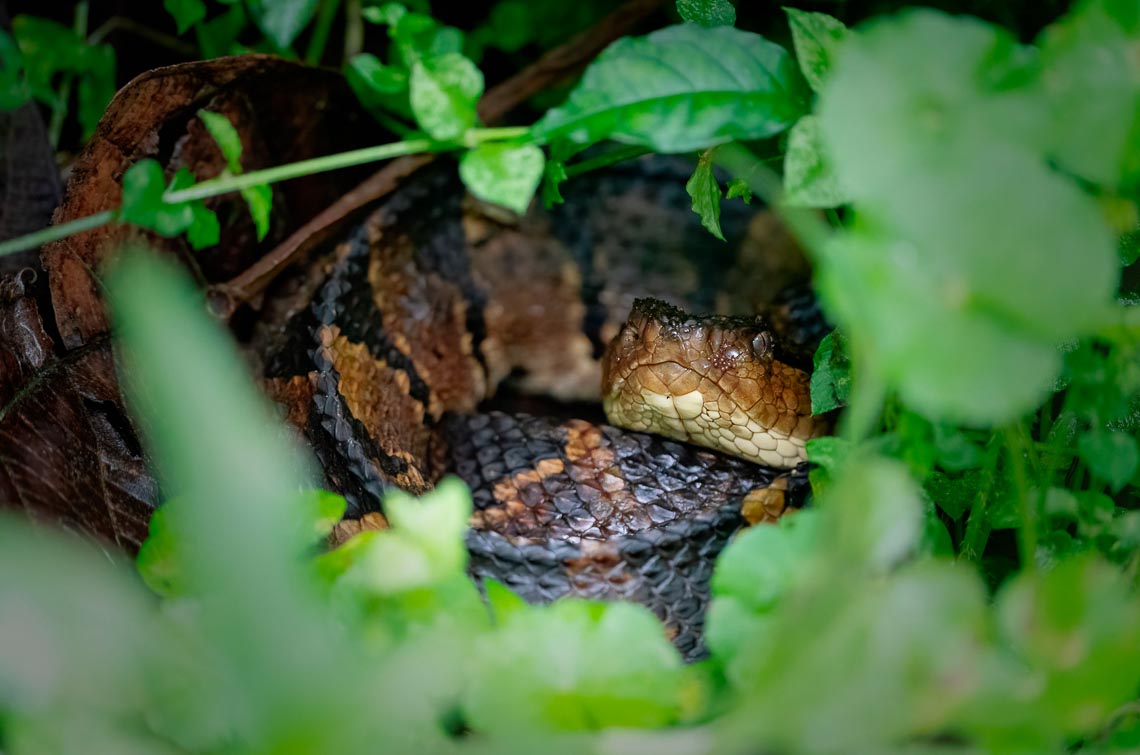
(121, 23)
(554, 66)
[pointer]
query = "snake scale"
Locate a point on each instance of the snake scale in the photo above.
(439, 319)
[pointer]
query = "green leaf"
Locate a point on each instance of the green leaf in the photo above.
(204, 229)
(225, 136)
(281, 21)
(143, 187)
(443, 92)
(695, 88)
(928, 123)
(1074, 628)
(158, 563)
(13, 89)
(258, 198)
(707, 12)
(738, 187)
(186, 13)
(815, 37)
(241, 525)
(503, 174)
(96, 86)
(574, 665)
(219, 36)
(831, 374)
(1112, 456)
(1091, 81)
(48, 48)
(705, 193)
(809, 179)
(379, 87)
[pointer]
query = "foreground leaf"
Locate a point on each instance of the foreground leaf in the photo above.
(695, 88)
(504, 174)
(809, 179)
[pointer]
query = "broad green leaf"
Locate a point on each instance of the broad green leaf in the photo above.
(705, 193)
(443, 92)
(48, 48)
(815, 37)
(738, 187)
(681, 89)
(13, 88)
(574, 665)
(809, 180)
(240, 538)
(1091, 81)
(504, 174)
(831, 374)
(219, 36)
(78, 633)
(143, 187)
(707, 12)
(281, 21)
(1112, 456)
(186, 13)
(928, 122)
(259, 199)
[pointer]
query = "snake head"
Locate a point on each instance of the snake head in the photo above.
(724, 383)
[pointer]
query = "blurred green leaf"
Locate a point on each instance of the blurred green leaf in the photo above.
(186, 13)
(443, 92)
(96, 86)
(919, 285)
(1091, 82)
(707, 12)
(1113, 457)
(503, 174)
(574, 665)
(696, 88)
(1074, 628)
(13, 88)
(219, 36)
(705, 192)
(815, 37)
(281, 21)
(143, 205)
(809, 180)
(377, 85)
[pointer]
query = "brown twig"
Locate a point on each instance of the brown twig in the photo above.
(554, 66)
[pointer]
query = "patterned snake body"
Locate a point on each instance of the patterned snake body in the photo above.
(434, 304)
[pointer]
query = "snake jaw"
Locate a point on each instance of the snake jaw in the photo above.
(714, 381)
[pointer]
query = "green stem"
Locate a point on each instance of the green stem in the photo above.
(317, 42)
(57, 232)
(978, 523)
(353, 29)
(1017, 449)
(602, 161)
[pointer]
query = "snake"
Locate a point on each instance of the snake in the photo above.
(445, 336)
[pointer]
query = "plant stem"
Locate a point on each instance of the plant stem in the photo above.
(230, 183)
(977, 522)
(601, 161)
(57, 232)
(353, 29)
(1016, 443)
(122, 23)
(316, 49)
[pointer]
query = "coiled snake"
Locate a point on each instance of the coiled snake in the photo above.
(435, 303)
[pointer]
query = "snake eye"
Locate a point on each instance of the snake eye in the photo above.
(762, 345)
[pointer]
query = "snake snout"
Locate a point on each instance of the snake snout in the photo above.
(714, 381)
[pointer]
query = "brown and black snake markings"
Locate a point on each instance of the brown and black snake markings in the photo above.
(432, 308)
